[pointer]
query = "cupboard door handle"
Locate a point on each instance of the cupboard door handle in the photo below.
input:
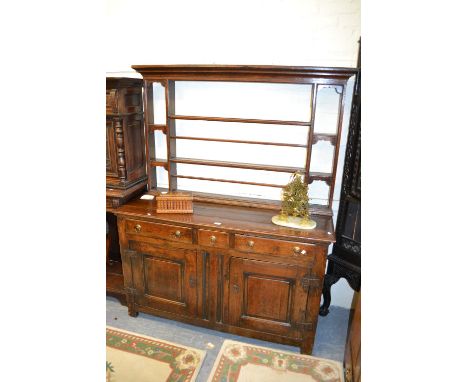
(192, 281)
(235, 288)
(250, 243)
(213, 239)
(177, 234)
(137, 228)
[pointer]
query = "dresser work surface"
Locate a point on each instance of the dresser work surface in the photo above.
(226, 268)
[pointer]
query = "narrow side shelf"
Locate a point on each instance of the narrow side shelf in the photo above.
(115, 281)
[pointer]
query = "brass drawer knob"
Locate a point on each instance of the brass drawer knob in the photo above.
(297, 250)
(177, 234)
(213, 239)
(137, 228)
(250, 243)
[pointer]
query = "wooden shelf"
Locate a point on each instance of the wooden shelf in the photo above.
(158, 162)
(325, 176)
(248, 166)
(153, 127)
(230, 181)
(241, 120)
(324, 137)
(114, 277)
(240, 141)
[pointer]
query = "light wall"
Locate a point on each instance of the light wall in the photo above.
(274, 32)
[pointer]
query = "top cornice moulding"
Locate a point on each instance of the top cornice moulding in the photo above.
(259, 73)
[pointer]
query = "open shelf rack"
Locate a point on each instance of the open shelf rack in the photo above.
(167, 75)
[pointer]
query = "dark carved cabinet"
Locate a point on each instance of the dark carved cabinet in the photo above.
(125, 140)
(345, 259)
(125, 163)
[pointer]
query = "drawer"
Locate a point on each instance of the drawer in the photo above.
(215, 239)
(262, 245)
(163, 231)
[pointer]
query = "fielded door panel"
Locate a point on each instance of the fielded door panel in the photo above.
(266, 296)
(165, 279)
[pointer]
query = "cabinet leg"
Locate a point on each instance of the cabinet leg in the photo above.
(327, 283)
(132, 312)
(306, 347)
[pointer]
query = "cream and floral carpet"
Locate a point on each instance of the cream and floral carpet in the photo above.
(241, 362)
(132, 357)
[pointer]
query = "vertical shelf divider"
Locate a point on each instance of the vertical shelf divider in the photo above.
(171, 132)
(310, 137)
(337, 145)
(149, 134)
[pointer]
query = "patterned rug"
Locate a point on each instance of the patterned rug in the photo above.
(241, 362)
(132, 357)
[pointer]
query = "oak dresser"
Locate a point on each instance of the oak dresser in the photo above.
(226, 266)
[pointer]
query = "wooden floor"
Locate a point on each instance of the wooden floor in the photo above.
(329, 341)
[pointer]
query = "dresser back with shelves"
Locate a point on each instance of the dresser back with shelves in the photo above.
(235, 134)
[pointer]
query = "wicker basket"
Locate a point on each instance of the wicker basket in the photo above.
(174, 203)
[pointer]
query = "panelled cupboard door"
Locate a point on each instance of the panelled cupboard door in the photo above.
(266, 296)
(165, 279)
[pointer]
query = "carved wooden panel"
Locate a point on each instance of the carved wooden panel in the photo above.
(111, 158)
(111, 101)
(134, 137)
(165, 279)
(266, 296)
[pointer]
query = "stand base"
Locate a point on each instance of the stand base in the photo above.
(294, 222)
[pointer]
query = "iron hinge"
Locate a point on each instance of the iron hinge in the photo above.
(311, 283)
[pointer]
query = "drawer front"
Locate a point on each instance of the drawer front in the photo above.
(215, 239)
(262, 245)
(163, 231)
